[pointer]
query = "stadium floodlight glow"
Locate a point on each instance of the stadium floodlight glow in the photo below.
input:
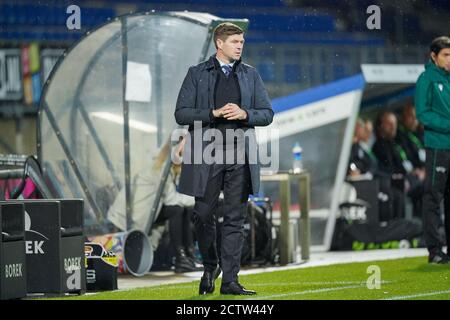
(138, 125)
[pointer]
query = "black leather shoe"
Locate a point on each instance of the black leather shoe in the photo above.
(235, 288)
(207, 281)
(438, 257)
(190, 253)
(183, 263)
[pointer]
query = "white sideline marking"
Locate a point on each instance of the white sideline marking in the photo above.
(361, 283)
(317, 259)
(435, 293)
(305, 292)
(315, 283)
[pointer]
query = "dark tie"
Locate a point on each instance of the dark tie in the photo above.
(226, 69)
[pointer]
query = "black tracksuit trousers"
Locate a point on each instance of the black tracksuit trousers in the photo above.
(437, 188)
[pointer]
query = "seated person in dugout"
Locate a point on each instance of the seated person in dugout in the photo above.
(393, 160)
(410, 140)
(364, 165)
(362, 161)
(173, 206)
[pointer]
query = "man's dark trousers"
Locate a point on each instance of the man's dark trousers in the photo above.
(234, 179)
(437, 188)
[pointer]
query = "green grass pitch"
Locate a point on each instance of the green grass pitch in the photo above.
(409, 278)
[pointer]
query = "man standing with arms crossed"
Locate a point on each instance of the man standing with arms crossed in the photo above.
(222, 94)
(433, 111)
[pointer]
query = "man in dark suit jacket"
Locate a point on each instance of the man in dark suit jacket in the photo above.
(221, 96)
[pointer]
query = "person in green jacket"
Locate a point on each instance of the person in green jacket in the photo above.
(433, 111)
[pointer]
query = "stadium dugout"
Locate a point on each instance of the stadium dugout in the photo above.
(322, 120)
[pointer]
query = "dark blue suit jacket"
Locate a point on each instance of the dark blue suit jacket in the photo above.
(195, 102)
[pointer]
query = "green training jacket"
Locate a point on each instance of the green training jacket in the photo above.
(433, 106)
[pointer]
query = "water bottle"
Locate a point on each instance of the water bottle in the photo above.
(297, 165)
